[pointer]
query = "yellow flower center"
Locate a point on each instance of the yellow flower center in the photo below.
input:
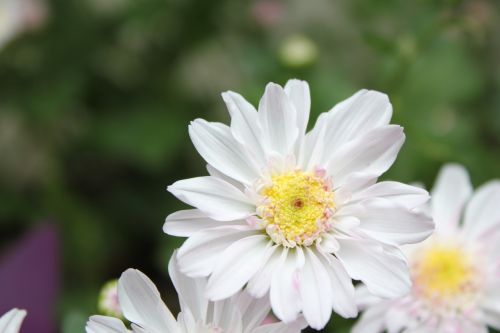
(296, 208)
(445, 274)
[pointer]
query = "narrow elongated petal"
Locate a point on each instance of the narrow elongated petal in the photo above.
(245, 125)
(213, 196)
(449, 195)
(102, 324)
(141, 303)
(227, 316)
(372, 153)
(277, 117)
(315, 291)
(11, 321)
(404, 195)
(259, 284)
(236, 265)
(220, 149)
(385, 274)
(285, 288)
(186, 223)
(389, 223)
(298, 93)
(482, 215)
(211, 242)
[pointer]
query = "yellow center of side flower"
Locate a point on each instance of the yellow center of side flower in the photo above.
(297, 207)
(445, 273)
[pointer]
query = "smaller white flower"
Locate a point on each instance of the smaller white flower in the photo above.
(12, 320)
(455, 273)
(142, 306)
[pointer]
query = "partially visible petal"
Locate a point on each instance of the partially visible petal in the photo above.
(220, 149)
(385, 274)
(404, 195)
(315, 291)
(372, 153)
(295, 326)
(298, 93)
(185, 223)
(213, 196)
(285, 291)
(211, 243)
(372, 320)
(236, 266)
(190, 291)
(392, 224)
(102, 324)
(254, 310)
(482, 215)
(260, 283)
(449, 195)
(141, 303)
(277, 117)
(11, 321)
(227, 316)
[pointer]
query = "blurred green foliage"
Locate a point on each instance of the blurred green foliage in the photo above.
(94, 108)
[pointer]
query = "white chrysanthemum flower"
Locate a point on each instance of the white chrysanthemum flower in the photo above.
(142, 306)
(455, 273)
(299, 214)
(11, 321)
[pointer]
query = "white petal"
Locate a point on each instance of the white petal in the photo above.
(186, 223)
(372, 320)
(213, 196)
(190, 291)
(237, 264)
(199, 253)
(298, 93)
(482, 215)
(293, 327)
(343, 290)
(385, 274)
(404, 195)
(227, 316)
(11, 321)
(254, 310)
(364, 298)
(277, 117)
(451, 191)
(348, 120)
(316, 291)
(220, 149)
(372, 153)
(260, 283)
(102, 324)
(393, 224)
(313, 146)
(245, 125)
(285, 294)
(141, 303)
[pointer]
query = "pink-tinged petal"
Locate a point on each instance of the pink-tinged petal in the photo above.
(372, 153)
(236, 266)
(285, 285)
(384, 273)
(449, 195)
(220, 149)
(141, 303)
(213, 196)
(392, 224)
(482, 216)
(211, 243)
(277, 117)
(186, 223)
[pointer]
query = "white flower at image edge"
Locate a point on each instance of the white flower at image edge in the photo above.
(299, 215)
(11, 321)
(456, 272)
(141, 304)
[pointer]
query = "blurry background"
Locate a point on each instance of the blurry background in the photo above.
(96, 96)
